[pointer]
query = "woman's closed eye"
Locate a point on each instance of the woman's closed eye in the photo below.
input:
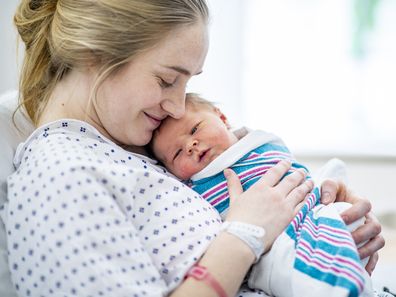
(166, 84)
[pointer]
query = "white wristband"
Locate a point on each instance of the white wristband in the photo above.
(252, 235)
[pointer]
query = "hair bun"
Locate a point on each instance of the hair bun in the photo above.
(35, 4)
(33, 18)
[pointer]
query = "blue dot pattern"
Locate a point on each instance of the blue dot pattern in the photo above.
(88, 218)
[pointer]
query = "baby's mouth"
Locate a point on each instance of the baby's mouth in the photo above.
(203, 154)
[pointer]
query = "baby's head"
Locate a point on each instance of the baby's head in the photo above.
(186, 145)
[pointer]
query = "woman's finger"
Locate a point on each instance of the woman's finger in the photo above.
(359, 209)
(274, 175)
(299, 206)
(297, 195)
(292, 182)
(234, 184)
(371, 247)
(331, 190)
(372, 263)
(370, 229)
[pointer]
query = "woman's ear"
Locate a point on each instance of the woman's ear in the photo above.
(223, 117)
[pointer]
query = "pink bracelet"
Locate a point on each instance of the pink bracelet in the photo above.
(201, 273)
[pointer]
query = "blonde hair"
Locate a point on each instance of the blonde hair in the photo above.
(65, 34)
(197, 101)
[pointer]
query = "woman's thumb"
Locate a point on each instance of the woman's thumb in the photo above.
(234, 185)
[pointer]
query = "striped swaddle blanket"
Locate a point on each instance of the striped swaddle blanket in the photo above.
(323, 247)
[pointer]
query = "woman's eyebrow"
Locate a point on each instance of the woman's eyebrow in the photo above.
(182, 70)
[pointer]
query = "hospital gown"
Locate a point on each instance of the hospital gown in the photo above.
(85, 217)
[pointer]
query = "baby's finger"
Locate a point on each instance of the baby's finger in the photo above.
(234, 185)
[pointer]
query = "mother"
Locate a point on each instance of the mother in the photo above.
(87, 217)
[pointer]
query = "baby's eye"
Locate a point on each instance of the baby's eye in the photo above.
(177, 153)
(193, 130)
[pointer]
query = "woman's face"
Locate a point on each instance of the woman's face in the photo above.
(132, 103)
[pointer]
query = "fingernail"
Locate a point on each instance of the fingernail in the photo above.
(303, 171)
(344, 218)
(326, 197)
(369, 269)
(226, 172)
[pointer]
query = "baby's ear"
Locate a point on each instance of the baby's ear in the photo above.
(223, 117)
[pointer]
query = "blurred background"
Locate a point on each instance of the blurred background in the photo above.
(321, 74)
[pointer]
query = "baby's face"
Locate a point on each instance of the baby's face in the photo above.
(189, 144)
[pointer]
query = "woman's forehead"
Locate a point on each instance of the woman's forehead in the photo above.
(183, 49)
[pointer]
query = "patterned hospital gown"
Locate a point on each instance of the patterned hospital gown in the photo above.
(84, 217)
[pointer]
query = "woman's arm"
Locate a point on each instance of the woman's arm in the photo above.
(369, 232)
(228, 258)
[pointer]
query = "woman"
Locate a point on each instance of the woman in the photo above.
(89, 218)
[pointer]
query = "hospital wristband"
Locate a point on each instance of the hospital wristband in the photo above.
(201, 273)
(251, 235)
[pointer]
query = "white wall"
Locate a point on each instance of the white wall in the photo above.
(305, 81)
(8, 57)
(221, 79)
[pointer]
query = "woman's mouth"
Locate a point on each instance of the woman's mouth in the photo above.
(156, 121)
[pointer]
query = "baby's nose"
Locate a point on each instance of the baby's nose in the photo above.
(191, 146)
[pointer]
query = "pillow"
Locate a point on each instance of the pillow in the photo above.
(10, 137)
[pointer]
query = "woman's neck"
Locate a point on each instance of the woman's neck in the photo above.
(71, 99)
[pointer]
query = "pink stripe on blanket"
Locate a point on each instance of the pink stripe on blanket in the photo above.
(213, 190)
(219, 199)
(321, 254)
(317, 228)
(324, 268)
(328, 238)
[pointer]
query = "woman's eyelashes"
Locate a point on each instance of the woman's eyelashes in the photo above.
(166, 83)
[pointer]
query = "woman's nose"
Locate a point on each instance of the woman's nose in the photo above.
(175, 104)
(191, 146)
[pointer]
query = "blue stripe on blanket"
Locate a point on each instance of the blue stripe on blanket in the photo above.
(318, 253)
(330, 278)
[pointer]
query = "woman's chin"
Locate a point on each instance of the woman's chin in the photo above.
(140, 141)
(146, 138)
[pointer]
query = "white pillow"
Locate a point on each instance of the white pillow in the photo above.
(10, 137)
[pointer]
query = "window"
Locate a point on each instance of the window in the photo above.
(313, 72)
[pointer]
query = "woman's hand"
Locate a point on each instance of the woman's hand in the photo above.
(271, 202)
(337, 191)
